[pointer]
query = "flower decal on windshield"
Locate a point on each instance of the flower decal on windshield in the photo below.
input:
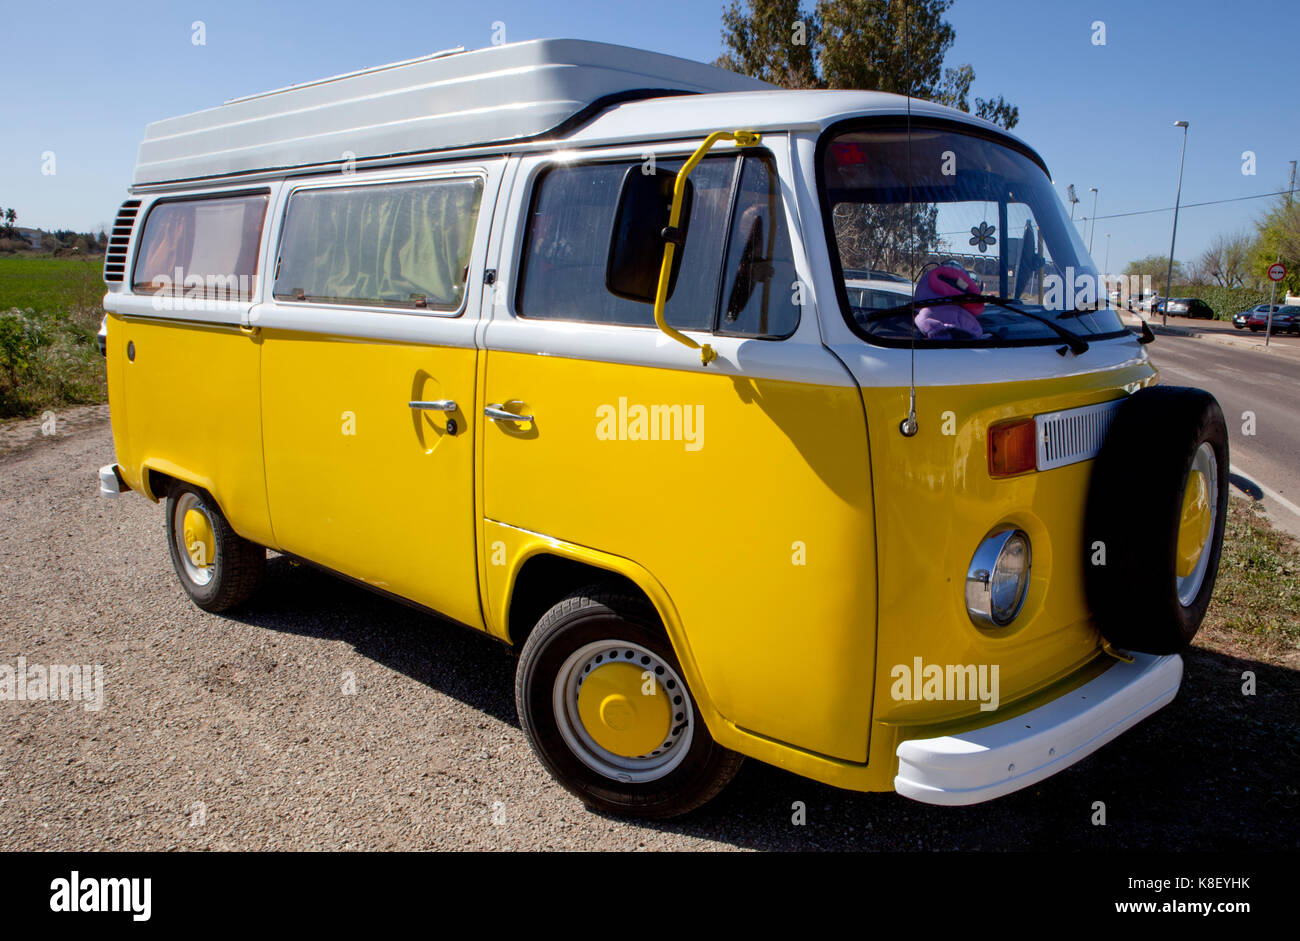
(982, 235)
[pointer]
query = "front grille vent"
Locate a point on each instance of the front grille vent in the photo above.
(1073, 435)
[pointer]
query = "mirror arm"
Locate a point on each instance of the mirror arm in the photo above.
(743, 139)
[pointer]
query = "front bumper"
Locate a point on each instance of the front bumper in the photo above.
(989, 762)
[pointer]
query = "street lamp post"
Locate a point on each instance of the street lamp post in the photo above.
(1169, 277)
(1094, 218)
(1106, 266)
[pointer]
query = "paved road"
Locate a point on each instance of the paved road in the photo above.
(236, 732)
(1247, 380)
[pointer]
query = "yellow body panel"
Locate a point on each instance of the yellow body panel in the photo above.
(360, 482)
(794, 543)
(189, 406)
(761, 530)
(936, 502)
(783, 657)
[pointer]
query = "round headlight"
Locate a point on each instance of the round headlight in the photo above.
(998, 578)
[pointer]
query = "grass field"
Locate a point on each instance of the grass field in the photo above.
(50, 309)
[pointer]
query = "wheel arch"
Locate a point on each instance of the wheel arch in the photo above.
(543, 571)
(157, 476)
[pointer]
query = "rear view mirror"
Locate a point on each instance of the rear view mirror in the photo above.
(636, 245)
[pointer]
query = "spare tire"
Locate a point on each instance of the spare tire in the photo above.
(1156, 508)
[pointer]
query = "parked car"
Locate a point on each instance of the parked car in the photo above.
(465, 372)
(1286, 319)
(1241, 320)
(870, 291)
(1189, 307)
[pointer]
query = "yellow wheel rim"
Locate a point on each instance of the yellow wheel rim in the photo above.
(200, 543)
(1194, 524)
(624, 710)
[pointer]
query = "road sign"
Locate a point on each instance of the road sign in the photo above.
(1276, 272)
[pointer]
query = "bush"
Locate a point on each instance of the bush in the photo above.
(1224, 301)
(20, 336)
(48, 359)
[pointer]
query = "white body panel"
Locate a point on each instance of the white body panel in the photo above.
(436, 103)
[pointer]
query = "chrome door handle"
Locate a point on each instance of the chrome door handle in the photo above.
(438, 405)
(498, 413)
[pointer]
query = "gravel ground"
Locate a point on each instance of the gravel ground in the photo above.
(235, 732)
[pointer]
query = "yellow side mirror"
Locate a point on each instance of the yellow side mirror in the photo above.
(743, 139)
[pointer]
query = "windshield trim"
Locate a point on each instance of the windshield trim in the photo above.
(832, 246)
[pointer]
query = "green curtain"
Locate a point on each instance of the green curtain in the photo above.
(380, 244)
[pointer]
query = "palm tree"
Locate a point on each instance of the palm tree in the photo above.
(10, 218)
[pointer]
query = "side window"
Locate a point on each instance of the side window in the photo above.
(201, 248)
(567, 241)
(759, 291)
(403, 245)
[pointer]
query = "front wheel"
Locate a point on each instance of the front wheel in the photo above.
(215, 565)
(605, 706)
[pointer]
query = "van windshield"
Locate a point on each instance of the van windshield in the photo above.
(936, 214)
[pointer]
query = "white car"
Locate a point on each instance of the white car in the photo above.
(875, 290)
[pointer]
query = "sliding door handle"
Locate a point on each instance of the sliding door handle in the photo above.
(498, 413)
(438, 405)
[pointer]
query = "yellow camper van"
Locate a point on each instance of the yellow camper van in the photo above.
(787, 424)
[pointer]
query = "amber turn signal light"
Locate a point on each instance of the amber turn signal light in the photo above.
(1012, 447)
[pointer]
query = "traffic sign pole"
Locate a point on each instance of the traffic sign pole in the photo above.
(1276, 273)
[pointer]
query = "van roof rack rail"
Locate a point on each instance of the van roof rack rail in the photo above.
(448, 100)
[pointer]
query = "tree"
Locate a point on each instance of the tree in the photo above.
(10, 217)
(1156, 268)
(1226, 261)
(774, 42)
(893, 46)
(1278, 234)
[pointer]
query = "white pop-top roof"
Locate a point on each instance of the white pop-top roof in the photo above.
(435, 103)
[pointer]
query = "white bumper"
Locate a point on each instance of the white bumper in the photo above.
(982, 764)
(110, 481)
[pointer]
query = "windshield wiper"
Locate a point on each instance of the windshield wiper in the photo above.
(1073, 342)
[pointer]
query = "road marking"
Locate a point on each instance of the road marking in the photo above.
(1271, 494)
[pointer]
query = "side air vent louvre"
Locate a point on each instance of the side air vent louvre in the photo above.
(115, 256)
(1073, 435)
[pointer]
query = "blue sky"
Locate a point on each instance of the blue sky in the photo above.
(85, 78)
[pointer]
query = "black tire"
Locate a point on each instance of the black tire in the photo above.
(588, 616)
(237, 564)
(1134, 509)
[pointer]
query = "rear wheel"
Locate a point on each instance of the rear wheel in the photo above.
(604, 703)
(216, 566)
